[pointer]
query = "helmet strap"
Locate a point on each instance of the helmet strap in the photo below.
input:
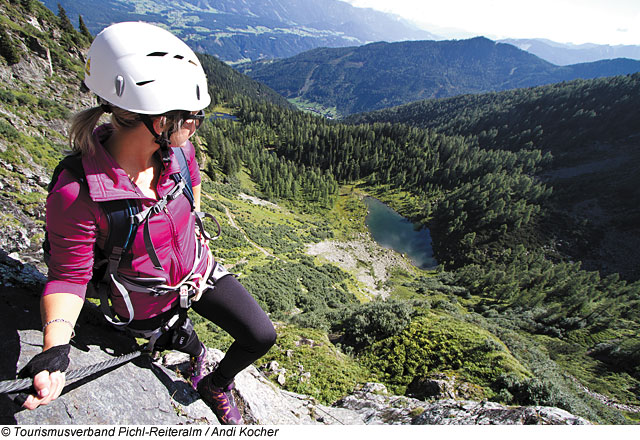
(160, 139)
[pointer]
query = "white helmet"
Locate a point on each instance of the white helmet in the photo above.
(145, 69)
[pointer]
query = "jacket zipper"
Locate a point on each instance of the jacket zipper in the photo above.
(174, 240)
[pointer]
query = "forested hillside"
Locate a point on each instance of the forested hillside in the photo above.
(379, 75)
(226, 84)
(487, 212)
(589, 127)
(506, 317)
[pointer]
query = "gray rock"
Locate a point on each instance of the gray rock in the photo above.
(452, 412)
(377, 407)
(135, 393)
(440, 387)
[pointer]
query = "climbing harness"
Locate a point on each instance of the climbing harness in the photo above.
(124, 218)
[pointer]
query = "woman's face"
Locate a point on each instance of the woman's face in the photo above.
(190, 123)
(179, 137)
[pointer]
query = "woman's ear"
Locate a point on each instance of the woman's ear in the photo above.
(159, 124)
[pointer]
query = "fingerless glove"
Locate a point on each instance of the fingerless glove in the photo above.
(54, 359)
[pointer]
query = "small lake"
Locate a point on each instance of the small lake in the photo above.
(393, 231)
(219, 115)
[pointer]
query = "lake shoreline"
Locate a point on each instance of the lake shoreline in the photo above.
(391, 230)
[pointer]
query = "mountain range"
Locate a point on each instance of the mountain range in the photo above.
(239, 30)
(566, 54)
(379, 75)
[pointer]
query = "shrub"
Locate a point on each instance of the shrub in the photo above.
(531, 391)
(8, 48)
(374, 321)
(623, 355)
(8, 131)
(437, 342)
(7, 96)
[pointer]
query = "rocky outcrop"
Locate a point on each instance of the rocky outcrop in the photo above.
(376, 406)
(154, 391)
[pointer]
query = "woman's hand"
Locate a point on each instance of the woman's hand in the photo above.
(59, 313)
(47, 370)
(48, 387)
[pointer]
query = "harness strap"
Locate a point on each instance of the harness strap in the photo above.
(153, 338)
(151, 250)
(104, 290)
(184, 175)
(200, 216)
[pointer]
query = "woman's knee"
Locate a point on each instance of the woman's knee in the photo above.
(264, 339)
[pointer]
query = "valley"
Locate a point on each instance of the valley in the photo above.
(238, 31)
(518, 188)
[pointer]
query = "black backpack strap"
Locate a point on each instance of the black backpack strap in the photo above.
(122, 230)
(71, 163)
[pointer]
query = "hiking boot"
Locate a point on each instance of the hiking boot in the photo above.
(221, 402)
(197, 368)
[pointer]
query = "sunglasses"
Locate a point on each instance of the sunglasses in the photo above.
(188, 117)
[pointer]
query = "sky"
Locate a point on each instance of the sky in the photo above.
(611, 22)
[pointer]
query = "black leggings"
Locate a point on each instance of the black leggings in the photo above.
(231, 307)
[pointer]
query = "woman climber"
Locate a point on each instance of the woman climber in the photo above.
(155, 90)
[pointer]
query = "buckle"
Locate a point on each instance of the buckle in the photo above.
(184, 296)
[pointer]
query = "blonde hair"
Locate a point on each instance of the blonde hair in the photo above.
(81, 137)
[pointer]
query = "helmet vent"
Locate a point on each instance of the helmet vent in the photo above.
(180, 57)
(142, 83)
(157, 54)
(198, 92)
(119, 83)
(193, 62)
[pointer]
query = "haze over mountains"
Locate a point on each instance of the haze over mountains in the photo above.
(238, 30)
(565, 54)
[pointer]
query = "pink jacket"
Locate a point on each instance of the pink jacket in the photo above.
(75, 223)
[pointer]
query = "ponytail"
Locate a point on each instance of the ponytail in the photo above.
(81, 137)
(81, 132)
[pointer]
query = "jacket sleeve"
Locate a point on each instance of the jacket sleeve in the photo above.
(194, 168)
(72, 227)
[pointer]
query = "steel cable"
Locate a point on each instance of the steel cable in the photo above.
(12, 386)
